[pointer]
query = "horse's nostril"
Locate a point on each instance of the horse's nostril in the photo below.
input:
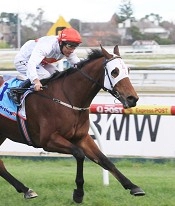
(132, 101)
(132, 98)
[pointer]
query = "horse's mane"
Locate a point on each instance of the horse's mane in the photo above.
(92, 55)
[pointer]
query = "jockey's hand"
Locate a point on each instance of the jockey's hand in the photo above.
(37, 85)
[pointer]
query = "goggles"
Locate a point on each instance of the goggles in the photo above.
(71, 45)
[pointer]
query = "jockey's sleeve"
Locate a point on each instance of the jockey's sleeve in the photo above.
(73, 59)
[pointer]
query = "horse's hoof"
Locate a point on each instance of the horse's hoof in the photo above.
(137, 192)
(30, 194)
(78, 196)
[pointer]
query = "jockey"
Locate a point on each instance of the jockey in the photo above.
(36, 57)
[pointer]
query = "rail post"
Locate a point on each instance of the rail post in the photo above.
(97, 136)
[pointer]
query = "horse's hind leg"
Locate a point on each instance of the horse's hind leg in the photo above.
(28, 193)
(92, 152)
(59, 144)
(79, 192)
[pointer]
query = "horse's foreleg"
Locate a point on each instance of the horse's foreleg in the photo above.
(93, 153)
(125, 182)
(28, 193)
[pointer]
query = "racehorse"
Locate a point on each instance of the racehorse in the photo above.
(58, 116)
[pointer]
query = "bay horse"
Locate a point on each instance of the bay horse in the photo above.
(58, 116)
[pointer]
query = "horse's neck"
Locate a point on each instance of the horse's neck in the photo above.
(91, 80)
(81, 87)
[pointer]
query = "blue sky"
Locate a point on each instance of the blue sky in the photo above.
(88, 10)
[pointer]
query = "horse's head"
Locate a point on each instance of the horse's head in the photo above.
(117, 80)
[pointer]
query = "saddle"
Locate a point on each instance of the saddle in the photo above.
(16, 93)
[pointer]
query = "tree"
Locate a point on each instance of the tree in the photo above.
(8, 18)
(136, 34)
(170, 26)
(125, 10)
(153, 17)
(8, 23)
(34, 26)
(36, 21)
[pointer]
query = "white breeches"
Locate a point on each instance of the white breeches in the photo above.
(42, 71)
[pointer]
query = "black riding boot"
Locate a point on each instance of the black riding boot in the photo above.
(16, 92)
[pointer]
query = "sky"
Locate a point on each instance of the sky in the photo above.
(88, 10)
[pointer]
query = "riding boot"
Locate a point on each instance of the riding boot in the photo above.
(15, 93)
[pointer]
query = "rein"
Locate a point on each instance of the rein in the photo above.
(64, 103)
(112, 92)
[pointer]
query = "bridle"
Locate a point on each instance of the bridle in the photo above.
(111, 91)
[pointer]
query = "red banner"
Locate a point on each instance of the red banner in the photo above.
(141, 109)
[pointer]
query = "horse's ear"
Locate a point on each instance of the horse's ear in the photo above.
(116, 50)
(105, 53)
(101, 47)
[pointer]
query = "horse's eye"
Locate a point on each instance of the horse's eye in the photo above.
(115, 73)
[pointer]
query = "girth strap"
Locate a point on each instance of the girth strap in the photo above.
(22, 125)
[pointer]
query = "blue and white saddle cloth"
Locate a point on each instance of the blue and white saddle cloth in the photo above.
(7, 107)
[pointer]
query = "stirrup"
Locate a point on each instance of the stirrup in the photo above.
(14, 96)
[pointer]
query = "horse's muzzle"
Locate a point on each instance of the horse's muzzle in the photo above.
(130, 101)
